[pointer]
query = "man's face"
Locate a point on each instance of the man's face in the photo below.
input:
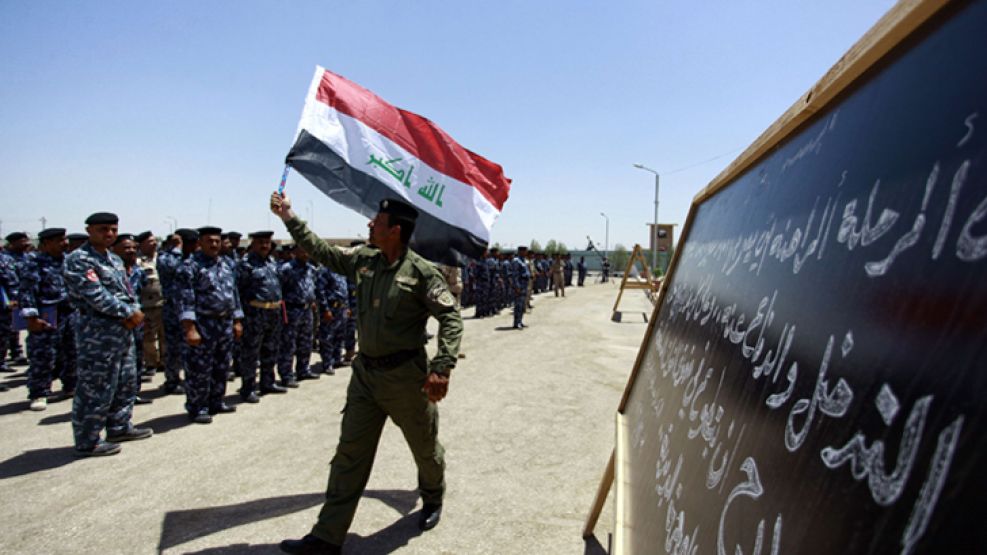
(19, 245)
(227, 246)
(261, 246)
(102, 235)
(149, 245)
(210, 245)
(55, 247)
(301, 255)
(382, 233)
(127, 250)
(234, 243)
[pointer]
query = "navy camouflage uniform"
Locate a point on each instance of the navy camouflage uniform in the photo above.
(168, 264)
(520, 277)
(208, 296)
(260, 293)
(104, 395)
(14, 343)
(481, 289)
(137, 280)
(333, 294)
(298, 288)
(9, 286)
(53, 351)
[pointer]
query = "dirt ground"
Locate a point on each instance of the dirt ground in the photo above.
(528, 427)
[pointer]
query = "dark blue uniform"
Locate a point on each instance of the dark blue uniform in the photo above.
(519, 276)
(332, 291)
(137, 280)
(208, 297)
(104, 394)
(9, 293)
(168, 264)
(298, 287)
(53, 354)
(260, 293)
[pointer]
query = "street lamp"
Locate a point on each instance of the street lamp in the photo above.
(606, 240)
(654, 232)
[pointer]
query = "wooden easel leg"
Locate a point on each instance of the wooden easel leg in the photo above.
(601, 497)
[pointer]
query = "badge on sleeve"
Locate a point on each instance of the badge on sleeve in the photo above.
(91, 275)
(442, 297)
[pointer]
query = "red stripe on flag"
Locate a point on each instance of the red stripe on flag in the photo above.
(417, 135)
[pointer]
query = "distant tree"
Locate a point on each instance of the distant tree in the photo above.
(562, 249)
(551, 247)
(618, 258)
(535, 246)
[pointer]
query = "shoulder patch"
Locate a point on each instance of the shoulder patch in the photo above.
(442, 297)
(407, 280)
(91, 275)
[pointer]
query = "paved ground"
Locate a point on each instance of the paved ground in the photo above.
(528, 427)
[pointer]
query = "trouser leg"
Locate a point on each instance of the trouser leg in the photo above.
(349, 471)
(289, 335)
(175, 345)
(122, 403)
(102, 354)
(43, 346)
(68, 355)
(222, 353)
(270, 341)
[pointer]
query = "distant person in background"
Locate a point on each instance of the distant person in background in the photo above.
(606, 270)
(126, 248)
(9, 285)
(581, 270)
(558, 276)
(18, 245)
(76, 240)
(521, 277)
(152, 303)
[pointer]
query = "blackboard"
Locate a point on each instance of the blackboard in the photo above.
(814, 379)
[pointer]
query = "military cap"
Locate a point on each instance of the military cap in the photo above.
(287, 248)
(235, 234)
(51, 233)
(78, 237)
(141, 237)
(123, 237)
(399, 208)
(522, 248)
(187, 235)
(102, 218)
(224, 236)
(210, 230)
(262, 235)
(16, 236)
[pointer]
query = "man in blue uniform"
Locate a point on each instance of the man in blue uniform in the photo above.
(298, 288)
(519, 284)
(260, 293)
(169, 261)
(482, 288)
(9, 293)
(18, 245)
(581, 269)
(126, 248)
(108, 312)
(333, 295)
(211, 321)
(44, 305)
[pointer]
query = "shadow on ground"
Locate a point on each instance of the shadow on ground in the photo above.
(164, 424)
(593, 547)
(179, 527)
(36, 460)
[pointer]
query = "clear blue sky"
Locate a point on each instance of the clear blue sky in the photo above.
(159, 110)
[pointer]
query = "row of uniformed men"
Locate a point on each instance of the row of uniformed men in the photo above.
(199, 293)
(491, 284)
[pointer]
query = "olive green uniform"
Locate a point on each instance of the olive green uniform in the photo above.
(394, 302)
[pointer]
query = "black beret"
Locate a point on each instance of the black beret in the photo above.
(102, 218)
(187, 235)
(16, 236)
(398, 208)
(235, 234)
(209, 230)
(522, 248)
(51, 233)
(123, 237)
(262, 235)
(78, 237)
(141, 237)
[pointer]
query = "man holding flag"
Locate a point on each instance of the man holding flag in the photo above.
(397, 291)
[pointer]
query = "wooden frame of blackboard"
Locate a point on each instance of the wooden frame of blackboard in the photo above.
(904, 19)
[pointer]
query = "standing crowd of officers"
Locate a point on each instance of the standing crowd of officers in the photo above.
(201, 309)
(511, 278)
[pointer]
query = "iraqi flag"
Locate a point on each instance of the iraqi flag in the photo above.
(358, 149)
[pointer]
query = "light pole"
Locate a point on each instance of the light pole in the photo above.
(606, 240)
(654, 232)
(172, 222)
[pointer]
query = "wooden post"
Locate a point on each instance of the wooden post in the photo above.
(601, 497)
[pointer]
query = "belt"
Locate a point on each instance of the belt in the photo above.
(264, 304)
(298, 305)
(392, 360)
(214, 315)
(93, 314)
